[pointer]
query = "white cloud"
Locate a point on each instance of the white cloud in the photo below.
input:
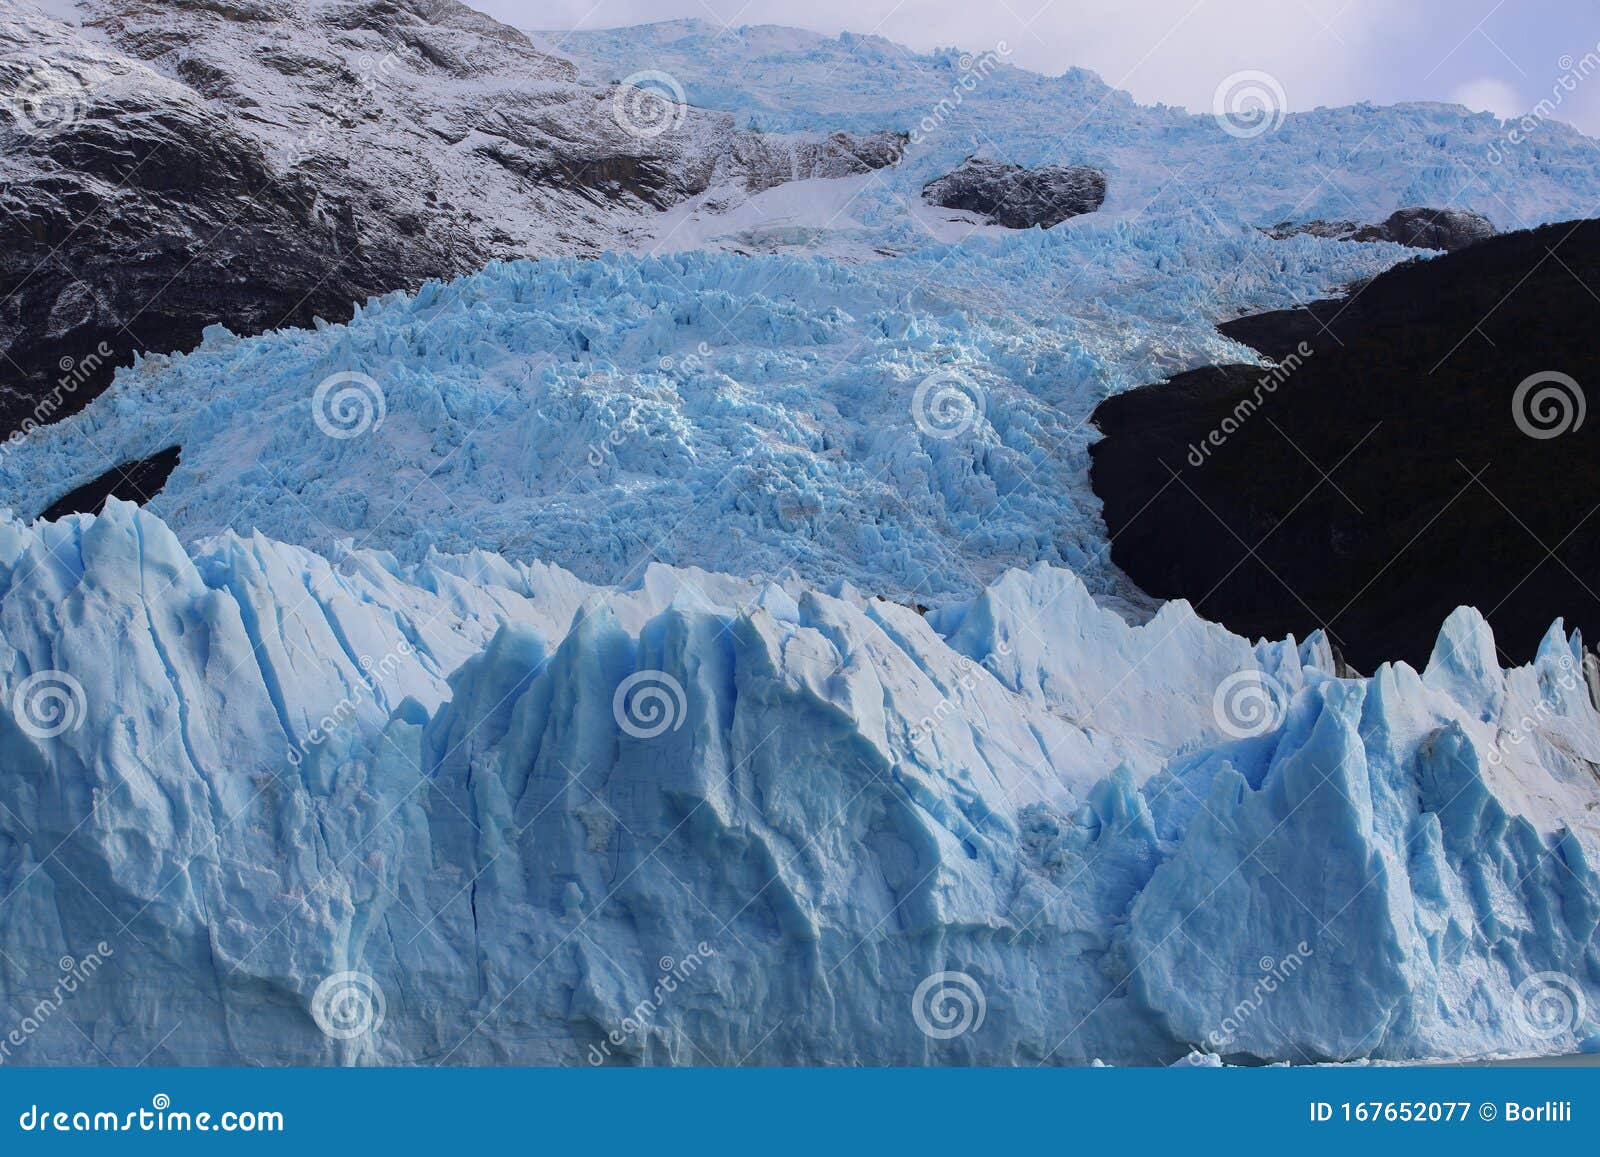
(1487, 94)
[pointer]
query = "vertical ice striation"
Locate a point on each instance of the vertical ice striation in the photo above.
(703, 820)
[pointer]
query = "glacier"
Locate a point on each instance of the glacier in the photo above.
(761, 416)
(828, 379)
(709, 653)
(699, 819)
(1361, 162)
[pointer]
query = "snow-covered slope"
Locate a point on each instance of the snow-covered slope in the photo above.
(1359, 163)
(169, 164)
(422, 117)
(701, 821)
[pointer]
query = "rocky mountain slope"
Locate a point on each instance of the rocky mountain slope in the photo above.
(170, 164)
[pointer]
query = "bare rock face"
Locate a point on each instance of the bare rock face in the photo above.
(137, 481)
(1418, 228)
(1433, 383)
(170, 164)
(1019, 198)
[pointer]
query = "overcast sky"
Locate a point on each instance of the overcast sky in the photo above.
(1499, 55)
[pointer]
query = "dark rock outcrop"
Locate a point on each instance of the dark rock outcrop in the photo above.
(1385, 473)
(1019, 198)
(130, 481)
(1418, 228)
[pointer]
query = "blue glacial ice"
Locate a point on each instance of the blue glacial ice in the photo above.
(1360, 162)
(755, 416)
(758, 415)
(835, 831)
(584, 706)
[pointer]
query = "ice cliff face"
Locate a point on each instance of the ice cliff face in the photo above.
(699, 820)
